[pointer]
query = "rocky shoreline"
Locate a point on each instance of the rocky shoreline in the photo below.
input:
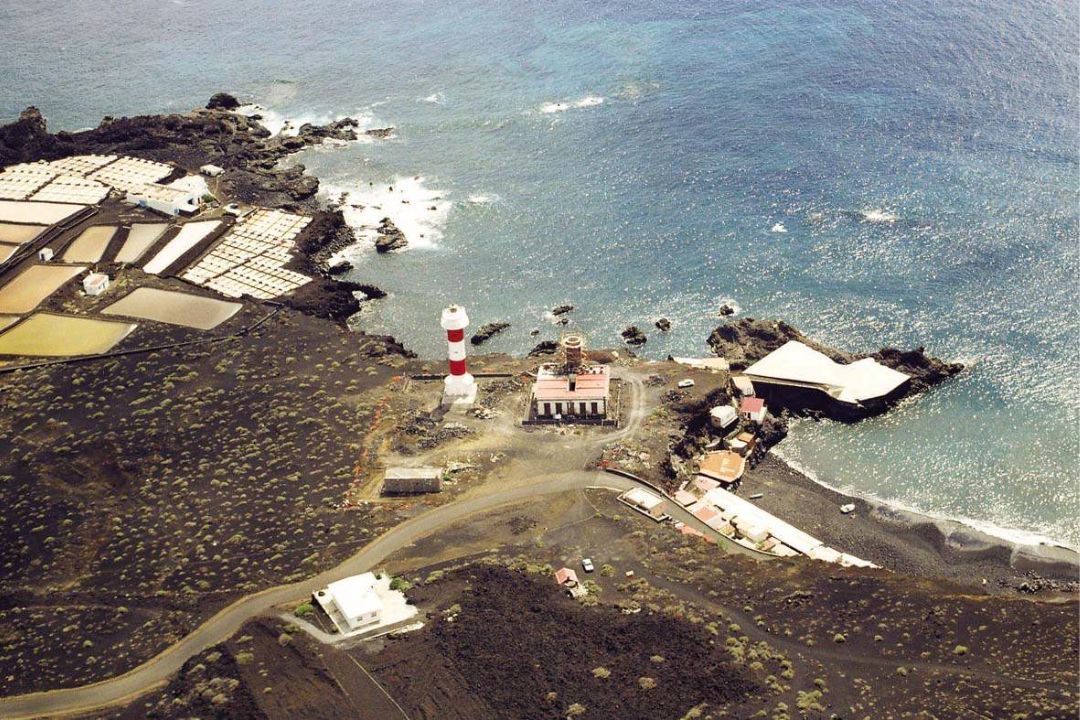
(251, 158)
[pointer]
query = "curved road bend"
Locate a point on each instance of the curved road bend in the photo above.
(229, 620)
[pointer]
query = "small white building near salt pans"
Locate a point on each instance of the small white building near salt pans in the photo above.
(95, 283)
(795, 367)
(166, 199)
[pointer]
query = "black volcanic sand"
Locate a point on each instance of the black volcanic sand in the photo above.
(172, 482)
(723, 633)
(907, 542)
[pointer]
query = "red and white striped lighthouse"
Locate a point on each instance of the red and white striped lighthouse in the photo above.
(459, 385)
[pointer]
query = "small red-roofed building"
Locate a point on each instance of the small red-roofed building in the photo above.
(753, 409)
(566, 576)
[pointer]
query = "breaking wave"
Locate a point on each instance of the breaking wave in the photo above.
(587, 101)
(878, 215)
(418, 211)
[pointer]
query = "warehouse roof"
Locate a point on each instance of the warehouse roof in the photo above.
(794, 362)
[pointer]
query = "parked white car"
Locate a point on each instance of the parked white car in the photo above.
(586, 565)
(687, 383)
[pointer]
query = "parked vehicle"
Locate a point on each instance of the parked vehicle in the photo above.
(587, 565)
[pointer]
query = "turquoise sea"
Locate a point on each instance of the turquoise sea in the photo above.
(634, 157)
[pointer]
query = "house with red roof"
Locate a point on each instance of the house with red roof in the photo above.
(567, 579)
(578, 394)
(753, 409)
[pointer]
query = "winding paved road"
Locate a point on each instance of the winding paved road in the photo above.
(229, 620)
(159, 669)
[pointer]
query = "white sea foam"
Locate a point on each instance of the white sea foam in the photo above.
(286, 126)
(779, 228)
(483, 198)
(1010, 535)
(435, 98)
(878, 215)
(587, 101)
(417, 210)
(730, 302)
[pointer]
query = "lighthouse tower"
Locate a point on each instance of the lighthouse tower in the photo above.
(459, 386)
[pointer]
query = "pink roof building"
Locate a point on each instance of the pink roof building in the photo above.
(581, 393)
(753, 409)
(566, 576)
(706, 514)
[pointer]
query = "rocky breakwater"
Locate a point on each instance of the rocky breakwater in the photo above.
(745, 341)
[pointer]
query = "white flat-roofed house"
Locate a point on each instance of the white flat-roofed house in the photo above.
(723, 416)
(165, 199)
(645, 502)
(95, 283)
(45, 254)
(211, 170)
(191, 183)
(580, 394)
(354, 600)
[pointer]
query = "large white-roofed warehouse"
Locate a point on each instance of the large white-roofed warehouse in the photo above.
(798, 377)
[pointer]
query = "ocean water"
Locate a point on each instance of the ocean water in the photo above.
(634, 157)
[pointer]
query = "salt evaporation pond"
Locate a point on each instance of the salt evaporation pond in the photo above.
(47, 335)
(175, 308)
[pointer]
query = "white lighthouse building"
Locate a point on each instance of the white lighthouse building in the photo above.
(459, 386)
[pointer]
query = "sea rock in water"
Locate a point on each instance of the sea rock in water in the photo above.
(389, 237)
(544, 347)
(663, 324)
(726, 310)
(380, 133)
(344, 129)
(340, 268)
(222, 101)
(561, 310)
(925, 370)
(633, 336)
(488, 331)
